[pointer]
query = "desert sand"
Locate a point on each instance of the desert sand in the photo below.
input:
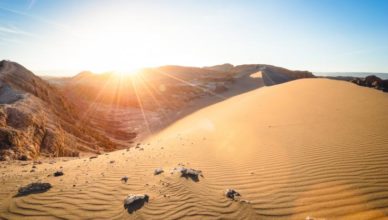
(310, 147)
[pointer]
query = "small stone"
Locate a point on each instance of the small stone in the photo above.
(158, 171)
(58, 173)
(124, 179)
(232, 194)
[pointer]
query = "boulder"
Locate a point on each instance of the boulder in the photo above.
(384, 85)
(372, 80)
(134, 202)
(33, 188)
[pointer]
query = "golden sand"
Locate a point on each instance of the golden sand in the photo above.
(311, 147)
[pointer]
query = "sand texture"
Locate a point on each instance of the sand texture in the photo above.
(310, 147)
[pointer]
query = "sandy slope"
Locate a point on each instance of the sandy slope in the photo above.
(310, 147)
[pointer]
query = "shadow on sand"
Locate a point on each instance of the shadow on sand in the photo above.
(190, 176)
(136, 205)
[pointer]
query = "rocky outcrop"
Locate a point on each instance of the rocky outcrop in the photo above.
(36, 119)
(373, 82)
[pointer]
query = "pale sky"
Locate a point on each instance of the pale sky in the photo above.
(68, 36)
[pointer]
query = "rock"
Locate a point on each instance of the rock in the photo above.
(384, 85)
(93, 157)
(190, 173)
(33, 188)
(372, 80)
(58, 173)
(134, 202)
(112, 161)
(124, 179)
(232, 194)
(158, 171)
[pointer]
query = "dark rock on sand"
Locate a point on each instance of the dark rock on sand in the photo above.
(158, 171)
(190, 173)
(232, 194)
(372, 81)
(124, 179)
(135, 202)
(33, 188)
(58, 173)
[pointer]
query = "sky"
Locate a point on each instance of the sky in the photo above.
(64, 37)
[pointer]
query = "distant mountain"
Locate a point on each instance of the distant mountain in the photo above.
(36, 119)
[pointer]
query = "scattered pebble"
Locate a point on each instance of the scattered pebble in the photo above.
(232, 194)
(124, 179)
(158, 171)
(58, 173)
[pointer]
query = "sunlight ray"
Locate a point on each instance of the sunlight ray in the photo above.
(141, 107)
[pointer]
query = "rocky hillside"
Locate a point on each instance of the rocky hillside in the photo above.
(373, 82)
(272, 75)
(36, 119)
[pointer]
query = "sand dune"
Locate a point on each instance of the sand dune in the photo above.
(310, 147)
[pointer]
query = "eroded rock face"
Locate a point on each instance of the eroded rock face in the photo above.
(36, 119)
(21, 133)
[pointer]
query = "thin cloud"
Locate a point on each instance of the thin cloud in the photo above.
(56, 25)
(31, 4)
(5, 41)
(16, 31)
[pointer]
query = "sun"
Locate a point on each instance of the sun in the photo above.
(126, 73)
